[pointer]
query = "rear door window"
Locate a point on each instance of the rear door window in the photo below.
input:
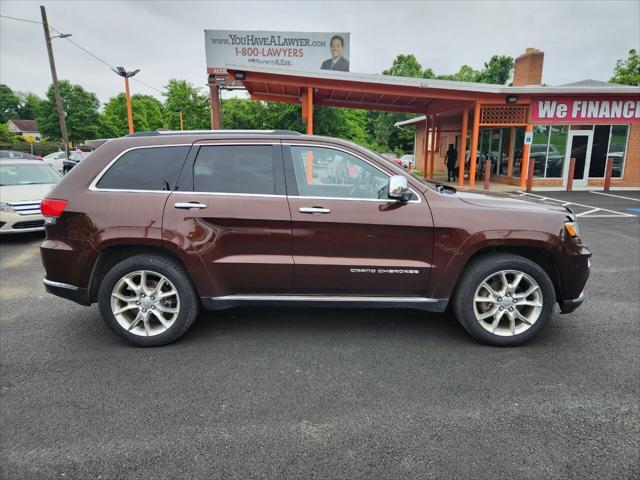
(154, 168)
(239, 169)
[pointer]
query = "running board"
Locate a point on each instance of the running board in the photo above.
(340, 301)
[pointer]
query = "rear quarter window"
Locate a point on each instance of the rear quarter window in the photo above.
(154, 168)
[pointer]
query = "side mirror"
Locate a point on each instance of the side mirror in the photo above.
(399, 188)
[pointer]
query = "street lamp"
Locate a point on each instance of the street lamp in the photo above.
(127, 75)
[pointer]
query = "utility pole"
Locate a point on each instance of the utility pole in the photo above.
(126, 75)
(54, 77)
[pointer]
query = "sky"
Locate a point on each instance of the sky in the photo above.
(165, 39)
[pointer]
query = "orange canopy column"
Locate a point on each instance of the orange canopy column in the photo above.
(463, 146)
(425, 169)
(306, 99)
(309, 111)
(512, 143)
(434, 145)
(473, 153)
(524, 166)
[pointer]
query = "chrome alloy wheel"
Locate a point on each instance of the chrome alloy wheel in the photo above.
(507, 303)
(145, 303)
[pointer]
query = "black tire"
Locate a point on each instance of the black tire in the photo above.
(173, 271)
(476, 272)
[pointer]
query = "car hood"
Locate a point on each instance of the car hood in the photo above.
(509, 201)
(16, 193)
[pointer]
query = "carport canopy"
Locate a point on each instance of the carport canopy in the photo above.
(364, 91)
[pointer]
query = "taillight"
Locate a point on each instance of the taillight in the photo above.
(52, 208)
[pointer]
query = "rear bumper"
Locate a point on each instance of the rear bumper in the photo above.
(64, 290)
(569, 305)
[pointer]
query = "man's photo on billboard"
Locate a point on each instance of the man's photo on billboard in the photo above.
(337, 61)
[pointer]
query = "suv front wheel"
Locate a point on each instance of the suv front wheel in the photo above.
(148, 300)
(504, 299)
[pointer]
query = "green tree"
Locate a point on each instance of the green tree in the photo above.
(627, 72)
(497, 70)
(9, 103)
(81, 113)
(465, 74)
(29, 106)
(408, 66)
(242, 114)
(183, 97)
(146, 112)
(6, 135)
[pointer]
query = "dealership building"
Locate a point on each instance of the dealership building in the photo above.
(505, 128)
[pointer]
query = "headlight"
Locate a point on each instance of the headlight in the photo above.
(571, 228)
(5, 207)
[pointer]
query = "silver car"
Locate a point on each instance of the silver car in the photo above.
(23, 185)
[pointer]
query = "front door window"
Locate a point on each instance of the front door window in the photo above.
(330, 173)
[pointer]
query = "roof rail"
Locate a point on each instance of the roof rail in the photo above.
(156, 133)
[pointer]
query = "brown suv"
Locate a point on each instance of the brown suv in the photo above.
(153, 226)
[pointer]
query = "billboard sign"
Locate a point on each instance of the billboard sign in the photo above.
(286, 50)
(589, 110)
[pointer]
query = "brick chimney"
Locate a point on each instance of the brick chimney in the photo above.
(528, 68)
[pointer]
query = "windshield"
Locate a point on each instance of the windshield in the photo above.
(27, 175)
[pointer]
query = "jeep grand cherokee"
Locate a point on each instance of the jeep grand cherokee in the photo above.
(155, 226)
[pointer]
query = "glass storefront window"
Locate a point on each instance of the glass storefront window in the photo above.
(599, 146)
(555, 155)
(548, 149)
(504, 151)
(538, 149)
(581, 127)
(517, 152)
(618, 148)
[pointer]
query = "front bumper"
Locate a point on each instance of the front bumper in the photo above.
(15, 223)
(64, 290)
(574, 266)
(569, 305)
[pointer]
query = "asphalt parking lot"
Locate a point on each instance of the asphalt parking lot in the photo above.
(301, 393)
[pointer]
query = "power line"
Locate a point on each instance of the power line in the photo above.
(104, 62)
(21, 19)
(147, 85)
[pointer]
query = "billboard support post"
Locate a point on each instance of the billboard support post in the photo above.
(215, 106)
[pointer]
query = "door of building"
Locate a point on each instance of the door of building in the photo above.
(578, 147)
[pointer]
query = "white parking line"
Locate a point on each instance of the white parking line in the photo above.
(591, 208)
(581, 214)
(617, 196)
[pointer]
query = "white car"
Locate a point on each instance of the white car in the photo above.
(23, 185)
(55, 160)
(407, 161)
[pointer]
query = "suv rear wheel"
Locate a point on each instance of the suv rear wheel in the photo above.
(504, 299)
(148, 300)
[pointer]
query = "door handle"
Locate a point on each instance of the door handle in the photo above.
(188, 205)
(313, 210)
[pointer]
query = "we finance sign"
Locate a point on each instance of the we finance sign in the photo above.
(591, 110)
